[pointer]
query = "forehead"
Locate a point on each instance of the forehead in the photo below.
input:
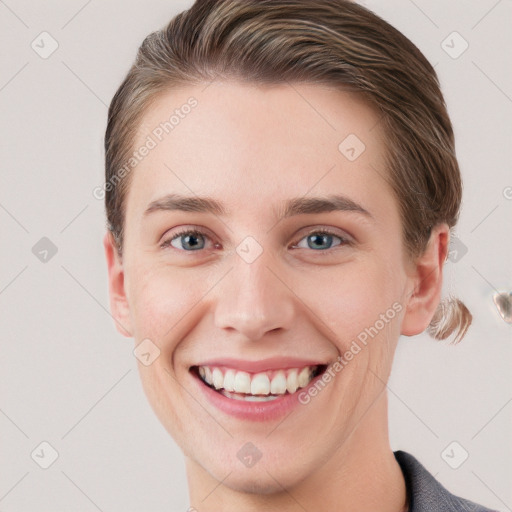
(252, 144)
(257, 113)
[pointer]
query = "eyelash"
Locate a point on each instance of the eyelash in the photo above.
(321, 231)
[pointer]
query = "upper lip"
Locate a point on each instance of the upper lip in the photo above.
(273, 363)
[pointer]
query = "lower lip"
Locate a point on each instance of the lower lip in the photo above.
(254, 411)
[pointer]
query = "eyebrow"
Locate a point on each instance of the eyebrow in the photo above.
(291, 207)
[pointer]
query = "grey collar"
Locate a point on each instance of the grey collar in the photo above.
(426, 494)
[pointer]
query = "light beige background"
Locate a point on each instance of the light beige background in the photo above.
(69, 379)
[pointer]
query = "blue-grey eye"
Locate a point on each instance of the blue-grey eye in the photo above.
(190, 240)
(320, 240)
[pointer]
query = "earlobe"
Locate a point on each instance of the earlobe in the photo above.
(116, 286)
(426, 283)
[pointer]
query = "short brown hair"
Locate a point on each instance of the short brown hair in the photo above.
(331, 42)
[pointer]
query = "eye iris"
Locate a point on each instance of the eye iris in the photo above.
(322, 238)
(191, 240)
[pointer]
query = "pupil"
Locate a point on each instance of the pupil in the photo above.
(190, 240)
(321, 237)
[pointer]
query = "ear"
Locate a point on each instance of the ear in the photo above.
(118, 300)
(425, 282)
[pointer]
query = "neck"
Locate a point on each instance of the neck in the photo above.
(361, 474)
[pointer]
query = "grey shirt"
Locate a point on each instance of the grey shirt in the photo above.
(426, 494)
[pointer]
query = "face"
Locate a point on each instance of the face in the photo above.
(296, 261)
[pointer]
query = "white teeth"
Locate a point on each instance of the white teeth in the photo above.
(278, 384)
(258, 385)
(242, 382)
(252, 398)
(218, 378)
(292, 381)
(303, 377)
(208, 375)
(248, 398)
(229, 380)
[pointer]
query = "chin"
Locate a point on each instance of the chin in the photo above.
(258, 484)
(266, 477)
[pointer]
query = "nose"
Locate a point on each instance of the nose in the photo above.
(254, 299)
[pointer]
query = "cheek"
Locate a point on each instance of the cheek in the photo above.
(162, 298)
(351, 297)
(165, 301)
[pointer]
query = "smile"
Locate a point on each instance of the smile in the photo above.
(262, 386)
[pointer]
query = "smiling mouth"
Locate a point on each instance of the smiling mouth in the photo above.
(257, 387)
